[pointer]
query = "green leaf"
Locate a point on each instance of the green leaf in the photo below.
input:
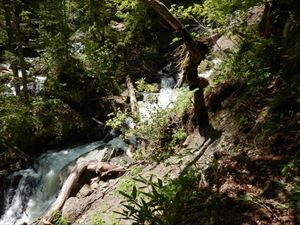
(125, 195)
(160, 183)
(134, 192)
(131, 209)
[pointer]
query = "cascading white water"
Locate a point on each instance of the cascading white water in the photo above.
(30, 192)
(167, 94)
(164, 99)
(34, 86)
(206, 74)
(37, 187)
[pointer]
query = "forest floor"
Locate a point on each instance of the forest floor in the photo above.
(256, 179)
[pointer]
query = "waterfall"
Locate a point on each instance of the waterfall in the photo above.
(34, 86)
(164, 99)
(30, 192)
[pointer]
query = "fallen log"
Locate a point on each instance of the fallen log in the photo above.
(133, 101)
(102, 169)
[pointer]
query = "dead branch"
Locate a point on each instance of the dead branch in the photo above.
(133, 100)
(103, 169)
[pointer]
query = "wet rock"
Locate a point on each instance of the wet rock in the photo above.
(122, 160)
(133, 141)
(139, 96)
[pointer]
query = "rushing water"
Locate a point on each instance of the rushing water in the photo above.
(34, 86)
(164, 99)
(30, 192)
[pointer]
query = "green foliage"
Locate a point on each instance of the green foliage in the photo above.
(295, 198)
(58, 219)
(183, 102)
(178, 136)
(227, 12)
(249, 198)
(117, 121)
(136, 170)
(184, 13)
(251, 63)
(291, 166)
(155, 130)
(143, 207)
(96, 219)
(104, 217)
(205, 65)
(42, 118)
(142, 86)
(154, 201)
(112, 42)
(125, 185)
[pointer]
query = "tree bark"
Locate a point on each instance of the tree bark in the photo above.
(92, 13)
(11, 43)
(18, 37)
(133, 100)
(196, 53)
(196, 49)
(70, 186)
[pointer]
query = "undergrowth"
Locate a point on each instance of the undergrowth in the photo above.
(156, 132)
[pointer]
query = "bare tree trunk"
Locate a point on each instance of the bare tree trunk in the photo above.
(196, 49)
(11, 43)
(196, 53)
(18, 35)
(133, 100)
(92, 13)
(16, 82)
(103, 170)
(66, 32)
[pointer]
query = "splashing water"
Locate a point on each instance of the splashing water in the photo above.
(30, 192)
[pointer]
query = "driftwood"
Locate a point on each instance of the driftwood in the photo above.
(133, 101)
(102, 169)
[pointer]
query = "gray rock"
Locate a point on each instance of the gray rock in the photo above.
(225, 43)
(72, 209)
(84, 191)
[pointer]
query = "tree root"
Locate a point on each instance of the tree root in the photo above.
(104, 170)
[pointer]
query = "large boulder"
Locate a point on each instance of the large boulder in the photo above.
(225, 43)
